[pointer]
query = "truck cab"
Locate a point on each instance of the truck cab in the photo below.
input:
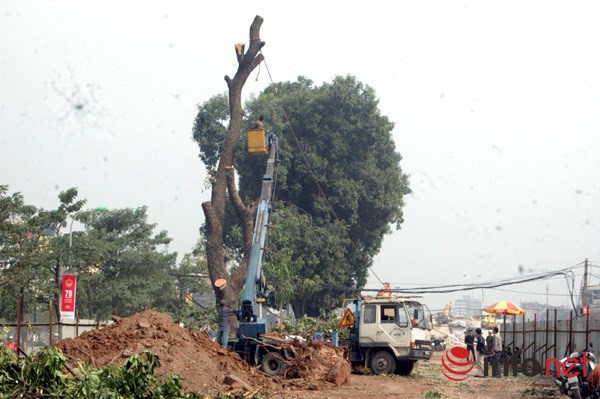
(390, 334)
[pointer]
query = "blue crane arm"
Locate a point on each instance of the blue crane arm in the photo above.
(261, 226)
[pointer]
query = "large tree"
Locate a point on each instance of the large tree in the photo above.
(222, 173)
(338, 164)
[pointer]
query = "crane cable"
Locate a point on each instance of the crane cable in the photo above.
(311, 171)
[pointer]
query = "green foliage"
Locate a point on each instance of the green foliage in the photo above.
(539, 392)
(339, 167)
(307, 327)
(242, 395)
(210, 129)
(24, 254)
(45, 375)
(434, 395)
(122, 265)
(196, 317)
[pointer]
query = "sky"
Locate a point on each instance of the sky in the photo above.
(495, 106)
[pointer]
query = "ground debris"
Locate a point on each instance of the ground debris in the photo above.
(314, 361)
(203, 365)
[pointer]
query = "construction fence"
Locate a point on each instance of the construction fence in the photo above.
(546, 336)
(31, 336)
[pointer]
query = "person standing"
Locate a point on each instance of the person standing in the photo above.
(223, 321)
(470, 342)
(497, 349)
(479, 352)
(489, 344)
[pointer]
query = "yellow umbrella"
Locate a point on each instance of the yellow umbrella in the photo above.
(504, 307)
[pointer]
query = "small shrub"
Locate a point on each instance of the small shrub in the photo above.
(434, 395)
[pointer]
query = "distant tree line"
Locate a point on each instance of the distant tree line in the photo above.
(122, 265)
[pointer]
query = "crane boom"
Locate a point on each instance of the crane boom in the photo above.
(249, 326)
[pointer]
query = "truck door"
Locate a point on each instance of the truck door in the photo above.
(394, 325)
(385, 323)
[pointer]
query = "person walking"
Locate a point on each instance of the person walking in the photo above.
(498, 347)
(470, 342)
(223, 321)
(479, 352)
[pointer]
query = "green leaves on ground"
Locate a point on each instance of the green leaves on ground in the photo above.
(45, 375)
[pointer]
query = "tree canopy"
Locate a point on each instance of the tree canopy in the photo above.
(122, 265)
(339, 167)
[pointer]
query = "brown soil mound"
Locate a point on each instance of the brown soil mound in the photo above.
(202, 364)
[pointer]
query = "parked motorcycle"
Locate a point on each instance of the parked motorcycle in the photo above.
(578, 386)
(438, 344)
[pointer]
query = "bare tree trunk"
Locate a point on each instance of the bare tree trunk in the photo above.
(214, 210)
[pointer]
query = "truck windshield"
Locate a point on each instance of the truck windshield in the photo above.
(418, 315)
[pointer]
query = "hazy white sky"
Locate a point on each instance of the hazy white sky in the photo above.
(495, 105)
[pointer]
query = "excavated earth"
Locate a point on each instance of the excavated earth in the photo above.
(203, 365)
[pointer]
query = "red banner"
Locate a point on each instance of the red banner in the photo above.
(67, 304)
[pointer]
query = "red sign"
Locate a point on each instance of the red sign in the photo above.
(67, 304)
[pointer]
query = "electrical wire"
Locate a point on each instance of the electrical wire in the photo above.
(567, 273)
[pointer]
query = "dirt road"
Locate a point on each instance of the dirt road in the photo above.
(427, 381)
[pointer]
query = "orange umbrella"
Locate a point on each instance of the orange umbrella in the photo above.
(504, 307)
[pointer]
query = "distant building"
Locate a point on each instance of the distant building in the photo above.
(467, 307)
(593, 292)
(539, 310)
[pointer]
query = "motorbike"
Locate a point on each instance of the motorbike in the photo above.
(438, 344)
(578, 385)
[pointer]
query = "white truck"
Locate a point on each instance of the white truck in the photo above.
(389, 334)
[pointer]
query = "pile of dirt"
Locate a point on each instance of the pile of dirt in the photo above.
(203, 365)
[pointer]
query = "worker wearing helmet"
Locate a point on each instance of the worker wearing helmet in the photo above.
(223, 321)
(12, 344)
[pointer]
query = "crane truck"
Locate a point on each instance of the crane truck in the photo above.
(389, 334)
(249, 343)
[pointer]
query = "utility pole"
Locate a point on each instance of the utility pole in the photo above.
(584, 291)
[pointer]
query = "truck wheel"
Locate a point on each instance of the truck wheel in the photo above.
(382, 363)
(273, 364)
(404, 367)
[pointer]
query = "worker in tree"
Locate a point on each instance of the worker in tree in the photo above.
(258, 124)
(223, 321)
(11, 344)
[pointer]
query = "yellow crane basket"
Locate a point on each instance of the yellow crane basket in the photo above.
(257, 142)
